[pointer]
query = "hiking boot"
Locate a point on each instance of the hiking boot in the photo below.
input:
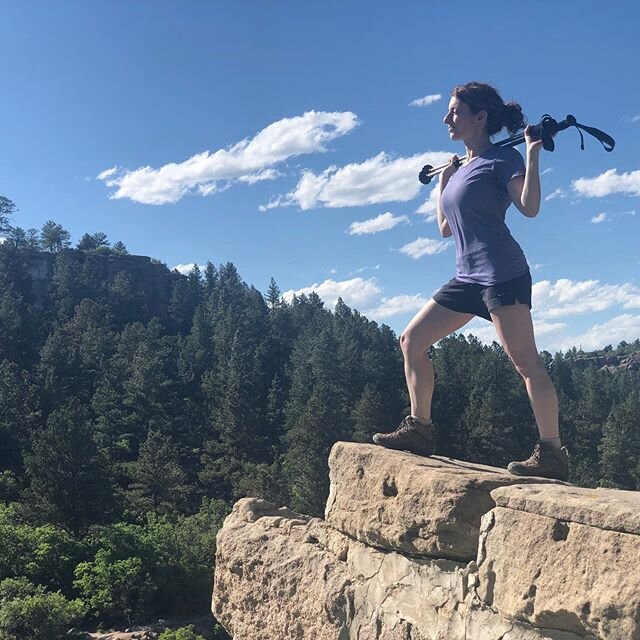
(546, 462)
(411, 435)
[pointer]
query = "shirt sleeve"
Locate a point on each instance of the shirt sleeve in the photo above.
(507, 166)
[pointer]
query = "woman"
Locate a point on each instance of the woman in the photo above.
(492, 276)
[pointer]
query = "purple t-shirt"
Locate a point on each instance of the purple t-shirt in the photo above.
(474, 202)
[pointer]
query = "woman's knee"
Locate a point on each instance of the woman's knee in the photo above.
(409, 344)
(528, 365)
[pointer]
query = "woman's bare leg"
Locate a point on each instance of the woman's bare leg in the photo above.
(432, 323)
(515, 330)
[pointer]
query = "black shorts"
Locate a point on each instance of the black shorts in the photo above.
(479, 299)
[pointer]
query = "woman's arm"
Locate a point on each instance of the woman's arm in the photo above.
(443, 225)
(445, 229)
(525, 191)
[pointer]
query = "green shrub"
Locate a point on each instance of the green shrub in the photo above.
(28, 612)
(183, 633)
(44, 554)
(115, 589)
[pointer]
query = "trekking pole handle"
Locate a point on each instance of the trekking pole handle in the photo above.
(546, 129)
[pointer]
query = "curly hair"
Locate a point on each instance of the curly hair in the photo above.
(478, 96)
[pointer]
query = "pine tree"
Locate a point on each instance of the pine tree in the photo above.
(158, 482)
(7, 209)
(274, 296)
(87, 242)
(69, 483)
(369, 415)
(120, 249)
(19, 415)
(620, 447)
(309, 440)
(54, 237)
(125, 302)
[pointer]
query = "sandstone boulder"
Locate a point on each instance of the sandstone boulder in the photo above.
(404, 502)
(565, 558)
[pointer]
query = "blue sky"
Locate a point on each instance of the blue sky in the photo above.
(281, 136)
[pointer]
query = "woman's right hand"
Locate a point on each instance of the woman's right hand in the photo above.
(450, 169)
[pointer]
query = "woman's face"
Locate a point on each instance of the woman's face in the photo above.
(463, 124)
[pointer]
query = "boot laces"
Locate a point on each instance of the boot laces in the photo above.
(535, 456)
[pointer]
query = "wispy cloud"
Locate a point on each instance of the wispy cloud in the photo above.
(558, 193)
(608, 183)
(383, 222)
(396, 305)
(426, 100)
(356, 292)
(425, 246)
(601, 217)
(362, 269)
(382, 178)
(249, 160)
(570, 297)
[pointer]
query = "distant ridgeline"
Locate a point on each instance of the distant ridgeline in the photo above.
(150, 279)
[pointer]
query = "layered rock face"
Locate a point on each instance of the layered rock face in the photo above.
(416, 548)
(153, 282)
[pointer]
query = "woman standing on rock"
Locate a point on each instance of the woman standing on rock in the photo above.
(492, 275)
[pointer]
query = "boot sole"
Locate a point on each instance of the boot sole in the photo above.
(534, 475)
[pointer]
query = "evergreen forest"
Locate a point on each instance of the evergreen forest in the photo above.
(137, 404)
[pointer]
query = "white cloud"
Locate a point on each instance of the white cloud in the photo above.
(379, 179)
(601, 217)
(249, 160)
(184, 269)
(486, 332)
(356, 292)
(613, 331)
(361, 269)
(426, 100)
(383, 222)
(558, 193)
(429, 207)
(425, 246)
(545, 328)
(608, 183)
(395, 306)
(547, 170)
(267, 174)
(272, 204)
(107, 173)
(569, 297)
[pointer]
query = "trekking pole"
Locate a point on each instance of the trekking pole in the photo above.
(545, 130)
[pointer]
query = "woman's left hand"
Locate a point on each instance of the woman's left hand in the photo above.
(533, 144)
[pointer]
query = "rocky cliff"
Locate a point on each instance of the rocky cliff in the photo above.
(416, 548)
(152, 280)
